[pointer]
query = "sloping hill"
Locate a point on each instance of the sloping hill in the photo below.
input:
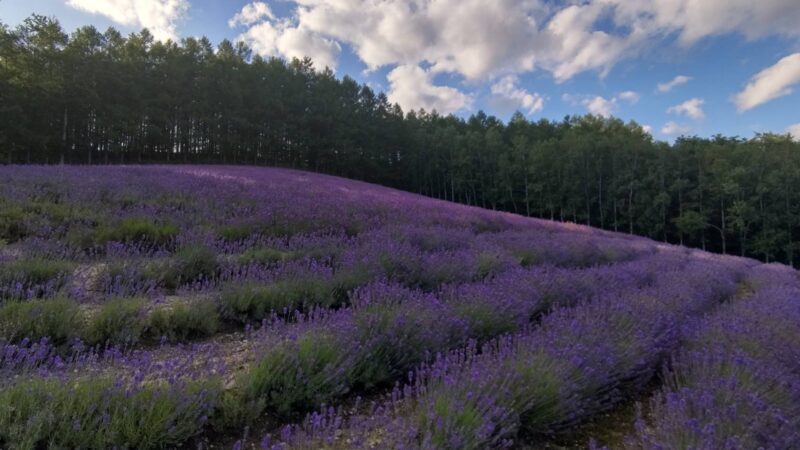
(157, 306)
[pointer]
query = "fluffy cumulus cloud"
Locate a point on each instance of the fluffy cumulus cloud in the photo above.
(675, 82)
(570, 44)
(794, 130)
(161, 17)
(671, 128)
(486, 41)
(601, 106)
(510, 95)
(252, 13)
(772, 82)
(268, 35)
(692, 108)
(629, 96)
(693, 20)
(412, 87)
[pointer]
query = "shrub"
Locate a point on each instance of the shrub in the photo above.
(131, 278)
(98, 413)
(34, 271)
(57, 215)
(235, 411)
(182, 321)
(485, 318)
(57, 319)
(191, 263)
(393, 336)
(488, 264)
(344, 282)
(236, 232)
(299, 375)
(528, 257)
(281, 229)
(249, 302)
(32, 277)
(12, 222)
(137, 230)
(264, 255)
(119, 322)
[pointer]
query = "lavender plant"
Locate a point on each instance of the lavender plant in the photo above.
(479, 329)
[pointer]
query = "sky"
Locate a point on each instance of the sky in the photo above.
(677, 67)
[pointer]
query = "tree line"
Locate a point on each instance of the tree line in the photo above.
(100, 97)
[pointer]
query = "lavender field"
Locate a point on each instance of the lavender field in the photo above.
(232, 307)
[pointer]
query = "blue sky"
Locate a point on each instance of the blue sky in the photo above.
(739, 60)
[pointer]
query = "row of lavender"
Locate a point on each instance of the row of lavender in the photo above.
(84, 245)
(736, 384)
(299, 364)
(95, 250)
(579, 362)
(355, 288)
(389, 330)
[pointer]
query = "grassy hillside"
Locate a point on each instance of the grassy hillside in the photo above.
(164, 306)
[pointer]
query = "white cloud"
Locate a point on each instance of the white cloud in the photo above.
(693, 20)
(794, 130)
(647, 129)
(692, 108)
(500, 38)
(484, 41)
(504, 37)
(269, 36)
(508, 91)
(599, 106)
(773, 82)
(161, 17)
(571, 45)
(672, 128)
(629, 96)
(675, 82)
(413, 88)
(252, 13)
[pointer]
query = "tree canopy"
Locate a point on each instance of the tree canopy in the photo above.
(100, 97)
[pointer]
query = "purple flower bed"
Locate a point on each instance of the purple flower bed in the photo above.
(484, 329)
(737, 384)
(579, 362)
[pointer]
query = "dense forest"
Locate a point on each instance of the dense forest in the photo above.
(100, 97)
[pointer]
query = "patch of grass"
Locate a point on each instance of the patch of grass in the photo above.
(120, 321)
(183, 321)
(58, 319)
